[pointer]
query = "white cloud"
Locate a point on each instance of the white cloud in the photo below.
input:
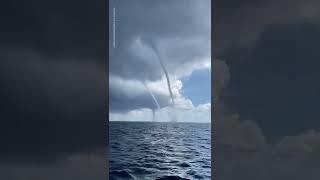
(136, 95)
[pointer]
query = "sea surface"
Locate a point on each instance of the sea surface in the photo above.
(159, 150)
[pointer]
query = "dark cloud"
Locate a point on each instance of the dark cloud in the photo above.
(277, 82)
(53, 82)
(271, 50)
(239, 22)
(75, 166)
(242, 152)
(50, 105)
(59, 28)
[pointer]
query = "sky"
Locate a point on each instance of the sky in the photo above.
(197, 86)
(53, 82)
(269, 127)
(181, 33)
(52, 95)
(274, 73)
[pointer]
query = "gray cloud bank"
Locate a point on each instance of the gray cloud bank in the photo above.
(244, 151)
(272, 52)
(53, 88)
(75, 166)
(50, 109)
(240, 22)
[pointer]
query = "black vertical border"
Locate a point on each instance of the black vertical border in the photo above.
(213, 118)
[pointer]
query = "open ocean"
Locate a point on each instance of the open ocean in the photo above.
(159, 150)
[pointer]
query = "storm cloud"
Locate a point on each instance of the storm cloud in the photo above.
(269, 126)
(238, 23)
(284, 145)
(179, 31)
(53, 87)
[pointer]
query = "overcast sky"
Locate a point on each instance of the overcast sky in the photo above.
(181, 32)
(270, 126)
(53, 89)
(53, 75)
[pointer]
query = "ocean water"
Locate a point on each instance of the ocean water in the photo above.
(159, 150)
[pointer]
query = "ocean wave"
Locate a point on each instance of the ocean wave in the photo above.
(150, 151)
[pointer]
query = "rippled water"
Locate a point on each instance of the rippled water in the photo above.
(154, 150)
